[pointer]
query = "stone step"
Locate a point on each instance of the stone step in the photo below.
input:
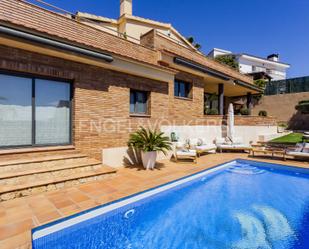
(32, 150)
(41, 170)
(45, 164)
(40, 159)
(8, 192)
(9, 154)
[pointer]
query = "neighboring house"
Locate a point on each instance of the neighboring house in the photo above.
(64, 83)
(254, 65)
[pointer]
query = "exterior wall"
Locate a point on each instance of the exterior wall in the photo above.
(137, 29)
(101, 116)
(217, 52)
(277, 72)
(249, 128)
(210, 132)
(283, 108)
(101, 99)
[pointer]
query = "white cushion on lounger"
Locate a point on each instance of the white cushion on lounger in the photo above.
(229, 146)
(305, 150)
(294, 153)
(206, 147)
(186, 152)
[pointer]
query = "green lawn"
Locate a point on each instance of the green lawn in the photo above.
(292, 138)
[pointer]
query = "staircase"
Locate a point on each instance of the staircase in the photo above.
(30, 173)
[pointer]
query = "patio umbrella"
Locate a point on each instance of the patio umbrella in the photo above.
(231, 132)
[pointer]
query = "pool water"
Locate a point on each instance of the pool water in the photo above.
(242, 205)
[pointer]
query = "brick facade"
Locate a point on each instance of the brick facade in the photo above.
(101, 117)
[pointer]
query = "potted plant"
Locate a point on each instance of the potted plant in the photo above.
(149, 143)
(282, 127)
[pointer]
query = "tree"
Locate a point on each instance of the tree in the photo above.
(196, 45)
(260, 83)
(229, 60)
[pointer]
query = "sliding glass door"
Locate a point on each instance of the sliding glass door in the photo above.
(34, 112)
(15, 111)
(52, 112)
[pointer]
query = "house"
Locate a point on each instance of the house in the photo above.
(132, 27)
(72, 92)
(268, 68)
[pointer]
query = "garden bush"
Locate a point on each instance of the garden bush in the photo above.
(212, 112)
(244, 111)
(303, 106)
(263, 113)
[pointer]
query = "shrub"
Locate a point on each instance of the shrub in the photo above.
(303, 101)
(147, 140)
(303, 106)
(283, 124)
(229, 60)
(212, 111)
(263, 113)
(260, 83)
(244, 111)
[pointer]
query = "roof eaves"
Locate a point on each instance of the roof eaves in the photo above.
(261, 58)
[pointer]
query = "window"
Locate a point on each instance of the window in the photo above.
(182, 89)
(211, 103)
(34, 111)
(138, 102)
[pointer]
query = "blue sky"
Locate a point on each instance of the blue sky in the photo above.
(258, 27)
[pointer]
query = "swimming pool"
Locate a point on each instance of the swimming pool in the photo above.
(241, 204)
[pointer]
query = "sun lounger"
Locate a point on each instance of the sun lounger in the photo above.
(201, 146)
(299, 151)
(268, 151)
(236, 145)
(182, 152)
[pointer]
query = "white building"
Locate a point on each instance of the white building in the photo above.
(250, 64)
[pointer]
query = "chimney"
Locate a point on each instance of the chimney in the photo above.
(125, 7)
(273, 57)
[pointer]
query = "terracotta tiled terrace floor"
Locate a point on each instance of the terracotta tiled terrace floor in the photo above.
(17, 217)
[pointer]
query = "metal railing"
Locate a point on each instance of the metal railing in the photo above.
(73, 16)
